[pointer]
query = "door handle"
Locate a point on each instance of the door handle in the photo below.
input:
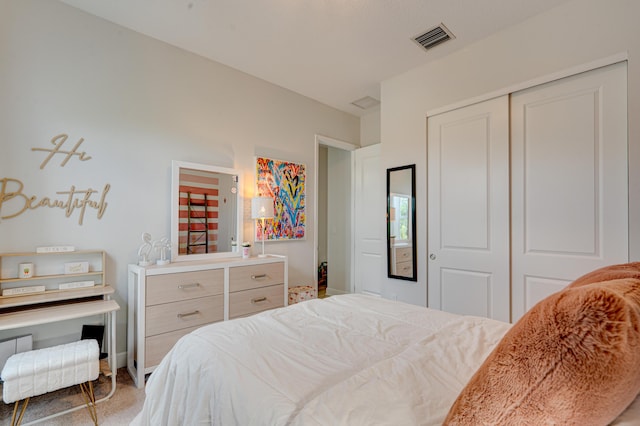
(432, 256)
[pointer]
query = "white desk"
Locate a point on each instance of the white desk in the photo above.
(29, 310)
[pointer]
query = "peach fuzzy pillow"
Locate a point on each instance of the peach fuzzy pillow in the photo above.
(572, 359)
(608, 273)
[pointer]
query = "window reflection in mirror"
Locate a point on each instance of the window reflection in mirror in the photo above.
(401, 222)
(400, 217)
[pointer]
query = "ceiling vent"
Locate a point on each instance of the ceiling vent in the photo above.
(366, 102)
(434, 37)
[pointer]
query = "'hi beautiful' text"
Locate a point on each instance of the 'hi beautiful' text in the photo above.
(13, 199)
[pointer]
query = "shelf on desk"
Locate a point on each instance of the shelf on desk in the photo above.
(48, 277)
(60, 312)
(54, 296)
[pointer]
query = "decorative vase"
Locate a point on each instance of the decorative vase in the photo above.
(25, 270)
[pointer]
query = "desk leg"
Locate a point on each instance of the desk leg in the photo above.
(112, 354)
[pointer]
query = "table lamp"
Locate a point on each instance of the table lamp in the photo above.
(262, 208)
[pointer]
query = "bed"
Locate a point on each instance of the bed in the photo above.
(344, 360)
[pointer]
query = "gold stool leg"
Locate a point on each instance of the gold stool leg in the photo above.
(90, 400)
(14, 421)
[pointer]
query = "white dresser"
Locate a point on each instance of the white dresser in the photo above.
(167, 302)
(403, 261)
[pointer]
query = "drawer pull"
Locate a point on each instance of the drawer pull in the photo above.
(183, 286)
(258, 299)
(257, 277)
(188, 314)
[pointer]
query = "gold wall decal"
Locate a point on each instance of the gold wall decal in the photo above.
(13, 199)
(57, 142)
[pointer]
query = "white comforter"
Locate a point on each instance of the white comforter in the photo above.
(344, 360)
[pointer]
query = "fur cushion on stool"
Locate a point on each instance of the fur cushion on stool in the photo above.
(572, 359)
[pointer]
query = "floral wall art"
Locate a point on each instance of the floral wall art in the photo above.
(285, 183)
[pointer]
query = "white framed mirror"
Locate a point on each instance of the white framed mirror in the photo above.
(206, 211)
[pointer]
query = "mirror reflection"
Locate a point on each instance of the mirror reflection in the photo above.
(400, 208)
(401, 218)
(206, 219)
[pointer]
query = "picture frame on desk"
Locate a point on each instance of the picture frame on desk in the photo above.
(21, 291)
(76, 267)
(55, 249)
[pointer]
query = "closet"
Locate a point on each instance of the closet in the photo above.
(526, 192)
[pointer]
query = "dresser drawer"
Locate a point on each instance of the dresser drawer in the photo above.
(187, 313)
(156, 347)
(184, 285)
(256, 300)
(403, 254)
(404, 269)
(255, 276)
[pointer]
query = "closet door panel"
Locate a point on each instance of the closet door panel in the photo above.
(468, 210)
(560, 160)
(537, 288)
(463, 173)
(569, 182)
(475, 287)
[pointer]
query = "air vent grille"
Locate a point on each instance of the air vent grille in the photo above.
(366, 102)
(434, 37)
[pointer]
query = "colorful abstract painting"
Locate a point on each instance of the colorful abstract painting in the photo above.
(285, 183)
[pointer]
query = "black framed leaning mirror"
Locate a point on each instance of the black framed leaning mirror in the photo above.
(401, 223)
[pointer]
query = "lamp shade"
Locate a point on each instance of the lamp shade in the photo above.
(262, 208)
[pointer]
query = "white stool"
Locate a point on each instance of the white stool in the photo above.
(37, 372)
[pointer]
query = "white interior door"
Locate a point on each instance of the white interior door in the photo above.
(369, 221)
(570, 182)
(468, 210)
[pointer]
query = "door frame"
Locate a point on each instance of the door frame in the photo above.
(346, 146)
(547, 78)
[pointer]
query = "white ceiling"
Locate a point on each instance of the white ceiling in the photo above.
(333, 51)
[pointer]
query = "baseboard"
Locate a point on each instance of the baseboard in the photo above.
(335, 291)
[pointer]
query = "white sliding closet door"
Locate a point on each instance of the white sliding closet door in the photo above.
(569, 182)
(468, 210)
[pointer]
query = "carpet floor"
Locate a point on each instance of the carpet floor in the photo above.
(119, 410)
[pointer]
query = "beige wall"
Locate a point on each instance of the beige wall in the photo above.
(574, 34)
(370, 128)
(138, 104)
